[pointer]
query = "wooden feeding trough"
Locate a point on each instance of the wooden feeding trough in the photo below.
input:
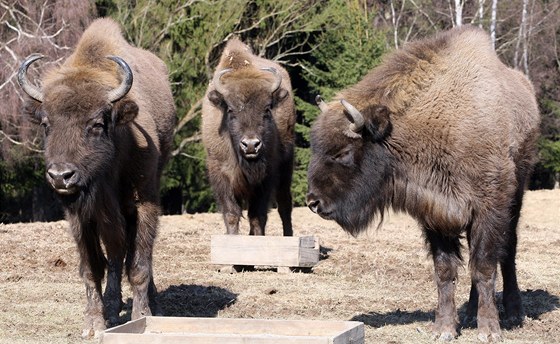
(275, 251)
(171, 330)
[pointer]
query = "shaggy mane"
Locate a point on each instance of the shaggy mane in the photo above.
(236, 55)
(407, 72)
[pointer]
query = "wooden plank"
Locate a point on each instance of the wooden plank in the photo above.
(171, 330)
(247, 326)
(353, 335)
(137, 326)
(210, 339)
(309, 251)
(264, 250)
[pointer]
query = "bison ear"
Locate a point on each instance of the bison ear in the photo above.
(216, 98)
(278, 96)
(377, 122)
(32, 111)
(124, 111)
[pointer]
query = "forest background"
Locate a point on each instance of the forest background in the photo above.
(324, 45)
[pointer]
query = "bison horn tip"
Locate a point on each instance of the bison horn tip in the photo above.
(126, 83)
(321, 103)
(278, 79)
(357, 117)
(31, 90)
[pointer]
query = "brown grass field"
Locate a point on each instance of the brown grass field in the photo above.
(382, 278)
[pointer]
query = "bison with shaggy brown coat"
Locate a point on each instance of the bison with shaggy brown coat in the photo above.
(107, 139)
(446, 132)
(248, 121)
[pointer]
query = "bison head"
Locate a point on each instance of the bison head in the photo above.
(247, 101)
(80, 116)
(350, 166)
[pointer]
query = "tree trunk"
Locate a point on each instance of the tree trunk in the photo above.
(480, 12)
(458, 12)
(521, 36)
(493, 23)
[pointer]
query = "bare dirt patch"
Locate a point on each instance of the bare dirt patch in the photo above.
(382, 278)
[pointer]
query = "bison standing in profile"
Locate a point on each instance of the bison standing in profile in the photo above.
(107, 139)
(248, 133)
(444, 131)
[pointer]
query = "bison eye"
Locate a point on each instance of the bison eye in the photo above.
(98, 128)
(231, 115)
(345, 157)
(267, 113)
(46, 126)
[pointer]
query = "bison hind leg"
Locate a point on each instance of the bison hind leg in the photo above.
(284, 200)
(112, 297)
(511, 296)
(285, 212)
(258, 211)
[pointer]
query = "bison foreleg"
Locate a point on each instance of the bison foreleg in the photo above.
(446, 256)
(231, 211)
(92, 269)
(139, 261)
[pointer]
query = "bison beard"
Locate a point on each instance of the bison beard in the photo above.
(443, 131)
(366, 196)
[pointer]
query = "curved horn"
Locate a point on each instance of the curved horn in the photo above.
(218, 82)
(33, 91)
(126, 83)
(278, 80)
(321, 103)
(358, 118)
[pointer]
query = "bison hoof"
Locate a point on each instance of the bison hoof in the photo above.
(444, 336)
(93, 327)
(112, 321)
(89, 333)
(444, 330)
(493, 338)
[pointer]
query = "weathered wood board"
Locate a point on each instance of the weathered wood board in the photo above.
(171, 330)
(265, 250)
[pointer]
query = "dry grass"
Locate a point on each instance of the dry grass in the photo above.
(382, 278)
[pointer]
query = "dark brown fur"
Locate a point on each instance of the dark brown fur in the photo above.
(249, 110)
(450, 138)
(119, 150)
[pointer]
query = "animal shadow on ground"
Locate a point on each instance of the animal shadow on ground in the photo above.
(397, 317)
(535, 303)
(189, 301)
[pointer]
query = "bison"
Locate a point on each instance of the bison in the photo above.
(248, 121)
(443, 131)
(107, 139)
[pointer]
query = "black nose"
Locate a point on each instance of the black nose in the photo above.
(250, 145)
(62, 175)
